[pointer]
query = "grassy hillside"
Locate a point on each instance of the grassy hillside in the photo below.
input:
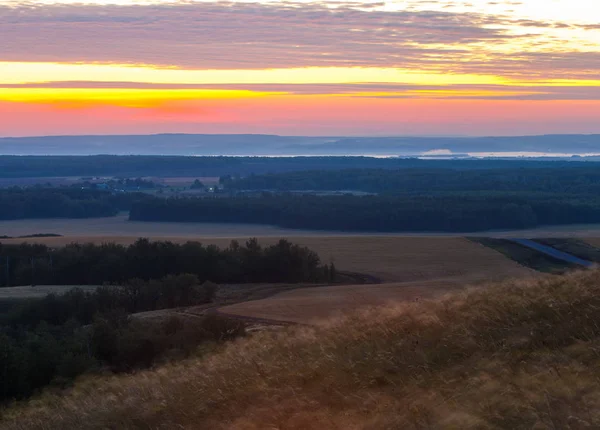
(518, 355)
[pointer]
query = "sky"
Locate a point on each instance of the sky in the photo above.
(300, 67)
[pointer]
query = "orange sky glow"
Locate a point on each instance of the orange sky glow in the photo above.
(303, 68)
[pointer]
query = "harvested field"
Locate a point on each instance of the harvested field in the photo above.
(119, 228)
(411, 266)
(309, 305)
(39, 291)
(412, 259)
(54, 181)
(312, 305)
(425, 267)
(386, 257)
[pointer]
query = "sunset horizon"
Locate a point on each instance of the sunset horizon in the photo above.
(309, 68)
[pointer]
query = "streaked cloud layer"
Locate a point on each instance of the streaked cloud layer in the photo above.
(189, 63)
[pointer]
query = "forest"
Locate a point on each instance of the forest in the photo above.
(451, 200)
(410, 199)
(576, 178)
(179, 166)
(53, 340)
(44, 202)
(89, 264)
(451, 212)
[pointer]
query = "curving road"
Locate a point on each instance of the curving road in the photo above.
(552, 252)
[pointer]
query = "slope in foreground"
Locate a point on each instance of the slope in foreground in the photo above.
(518, 355)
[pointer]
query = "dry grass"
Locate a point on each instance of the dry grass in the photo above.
(521, 355)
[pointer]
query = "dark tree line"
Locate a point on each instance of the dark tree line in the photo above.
(54, 355)
(582, 179)
(51, 341)
(452, 212)
(117, 184)
(140, 165)
(90, 264)
(132, 297)
(451, 200)
(55, 339)
(38, 202)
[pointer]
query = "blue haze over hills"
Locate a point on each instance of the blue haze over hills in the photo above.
(273, 145)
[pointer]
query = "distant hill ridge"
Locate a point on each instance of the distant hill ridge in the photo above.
(274, 145)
